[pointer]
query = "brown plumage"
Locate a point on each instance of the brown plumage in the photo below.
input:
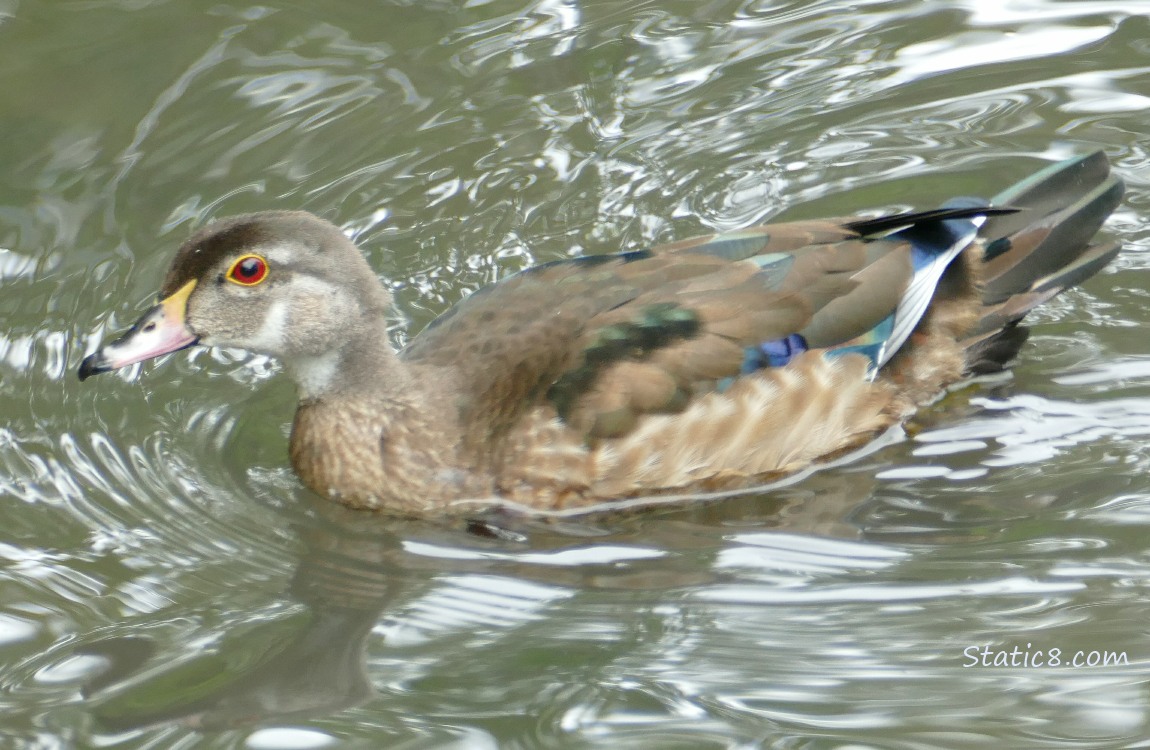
(712, 363)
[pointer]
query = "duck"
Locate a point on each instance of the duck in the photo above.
(706, 365)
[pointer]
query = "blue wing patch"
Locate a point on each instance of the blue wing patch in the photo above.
(775, 353)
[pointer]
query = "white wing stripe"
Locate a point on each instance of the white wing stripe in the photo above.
(920, 291)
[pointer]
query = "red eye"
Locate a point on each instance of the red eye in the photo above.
(248, 270)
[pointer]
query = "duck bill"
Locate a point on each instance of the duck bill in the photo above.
(161, 330)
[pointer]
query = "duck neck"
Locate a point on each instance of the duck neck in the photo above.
(364, 364)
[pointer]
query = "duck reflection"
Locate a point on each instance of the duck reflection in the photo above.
(307, 663)
(361, 575)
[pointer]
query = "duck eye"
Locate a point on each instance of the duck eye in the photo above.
(248, 270)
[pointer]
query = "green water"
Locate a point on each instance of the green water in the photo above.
(165, 582)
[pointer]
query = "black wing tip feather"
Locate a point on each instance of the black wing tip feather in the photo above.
(892, 222)
(994, 352)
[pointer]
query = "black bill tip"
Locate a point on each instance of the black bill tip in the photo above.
(93, 364)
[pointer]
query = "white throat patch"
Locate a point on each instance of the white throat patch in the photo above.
(314, 375)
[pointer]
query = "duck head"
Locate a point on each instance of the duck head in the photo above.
(286, 284)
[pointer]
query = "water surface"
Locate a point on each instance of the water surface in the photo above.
(165, 581)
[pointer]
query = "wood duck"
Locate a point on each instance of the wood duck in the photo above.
(712, 363)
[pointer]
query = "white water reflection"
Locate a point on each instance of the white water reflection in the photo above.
(957, 52)
(14, 265)
(1118, 372)
(1026, 429)
(289, 738)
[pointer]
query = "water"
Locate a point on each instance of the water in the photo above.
(166, 583)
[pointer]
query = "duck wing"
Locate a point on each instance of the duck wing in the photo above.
(606, 339)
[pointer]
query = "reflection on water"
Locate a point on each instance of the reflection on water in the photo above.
(166, 582)
(663, 624)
